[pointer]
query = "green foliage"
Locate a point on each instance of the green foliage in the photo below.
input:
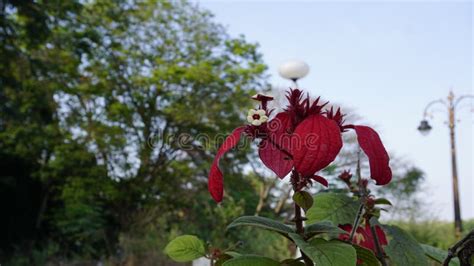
(407, 184)
(323, 252)
(303, 199)
(263, 242)
(98, 98)
(438, 255)
(366, 256)
(382, 201)
(185, 248)
(335, 207)
(435, 233)
(251, 260)
(321, 228)
(262, 222)
(222, 258)
(403, 248)
(292, 262)
(402, 193)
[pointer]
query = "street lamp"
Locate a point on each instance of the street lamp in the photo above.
(424, 127)
(293, 70)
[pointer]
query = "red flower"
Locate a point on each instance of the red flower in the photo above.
(345, 176)
(303, 138)
(363, 236)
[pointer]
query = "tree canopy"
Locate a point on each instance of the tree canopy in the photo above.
(99, 103)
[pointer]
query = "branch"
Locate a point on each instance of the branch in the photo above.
(453, 251)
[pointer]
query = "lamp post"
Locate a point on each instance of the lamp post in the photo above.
(293, 70)
(450, 104)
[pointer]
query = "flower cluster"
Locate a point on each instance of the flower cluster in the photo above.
(303, 139)
(364, 237)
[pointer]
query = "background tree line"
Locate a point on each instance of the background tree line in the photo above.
(94, 96)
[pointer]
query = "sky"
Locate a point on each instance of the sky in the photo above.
(386, 60)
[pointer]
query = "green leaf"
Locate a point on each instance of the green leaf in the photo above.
(366, 256)
(261, 222)
(383, 201)
(335, 207)
(438, 255)
(233, 254)
(322, 252)
(403, 249)
(222, 258)
(303, 199)
(185, 248)
(251, 260)
(321, 228)
(292, 262)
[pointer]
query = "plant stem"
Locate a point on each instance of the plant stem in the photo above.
(295, 182)
(355, 225)
(380, 255)
(300, 231)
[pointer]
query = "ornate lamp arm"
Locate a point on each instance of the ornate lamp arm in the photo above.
(441, 101)
(462, 97)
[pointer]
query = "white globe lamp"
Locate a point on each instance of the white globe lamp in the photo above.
(293, 70)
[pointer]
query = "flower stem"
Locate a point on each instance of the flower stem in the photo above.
(378, 248)
(300, 231)
(355, 225)
(298, 217)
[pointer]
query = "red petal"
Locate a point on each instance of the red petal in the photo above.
(280, 129)
(381, 236)
(275, 159)
(366, 240)
(270, 151)
(347, 228)
(216, 182)
(317, 141)
(371, 144)
(361, 237)
(320, 180)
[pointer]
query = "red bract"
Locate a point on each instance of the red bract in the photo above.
(216, 181)
(363, 236)
(321, 180)
(317, 141)
(273, 158)
(302, 138)
(371, 144)
(274, 150)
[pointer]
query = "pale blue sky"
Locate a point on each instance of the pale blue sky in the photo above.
(386, 60)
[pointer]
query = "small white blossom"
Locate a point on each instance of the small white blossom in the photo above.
(257, 117)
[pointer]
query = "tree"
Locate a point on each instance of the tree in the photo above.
(151, 77)
(29, 129)
(111, 92)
